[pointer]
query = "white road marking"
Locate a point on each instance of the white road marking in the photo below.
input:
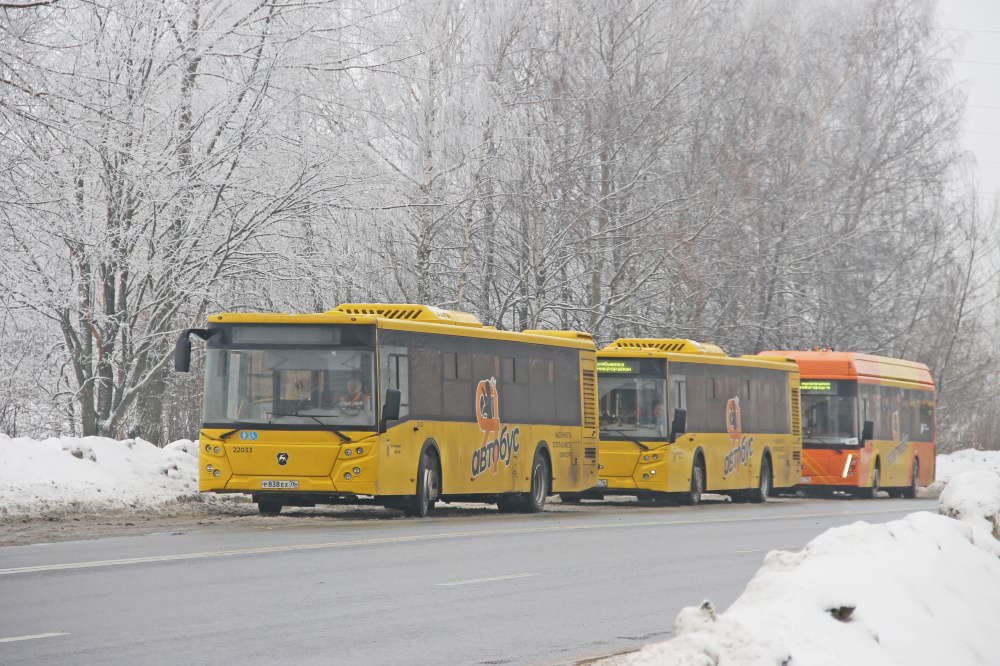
(28, 638)
(430, 537)
(487, 580)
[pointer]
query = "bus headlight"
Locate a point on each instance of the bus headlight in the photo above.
(357, 471)
(653, 472)
(208, 448)
(216, 449)
(209, 468)
(347, 452)
(347, 476)
(360, 450)
(216, 473)
(645, 477)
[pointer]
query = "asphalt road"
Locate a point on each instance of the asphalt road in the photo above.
(471, 587)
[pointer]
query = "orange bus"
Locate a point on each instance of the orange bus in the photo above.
(867, 423)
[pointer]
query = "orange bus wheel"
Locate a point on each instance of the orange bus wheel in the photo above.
(910, 492)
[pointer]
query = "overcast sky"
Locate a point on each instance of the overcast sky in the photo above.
(978, 66)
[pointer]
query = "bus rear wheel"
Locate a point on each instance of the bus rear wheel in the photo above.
(910, 491)
(535, 502)
(428, 487)
(763, 490)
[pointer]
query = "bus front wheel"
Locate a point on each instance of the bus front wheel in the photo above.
(872, 492)
(428, 487)
(693, 497)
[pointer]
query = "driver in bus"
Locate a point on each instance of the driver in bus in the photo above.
(355, 398)
(659, 420)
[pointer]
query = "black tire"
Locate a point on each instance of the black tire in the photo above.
(693, 496)
(535, 501)
(910, 491)
(763, 490)
(428, 487)
(872, 492)
(269, 507)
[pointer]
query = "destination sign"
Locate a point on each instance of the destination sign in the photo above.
(617, 365)
(817, 386)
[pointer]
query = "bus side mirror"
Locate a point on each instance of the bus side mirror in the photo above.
(390, 406)
(867, 432)
(182, 350)
(679, 426)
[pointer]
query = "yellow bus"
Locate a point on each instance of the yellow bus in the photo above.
(400, 405)
(733, 423)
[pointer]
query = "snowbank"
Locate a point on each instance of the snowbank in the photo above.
(922, 590)
(92, 474)
(948, 466)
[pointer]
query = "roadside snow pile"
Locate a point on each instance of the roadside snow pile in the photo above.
(948, 466)
(922, 590)
(93, 473)
(974, 497)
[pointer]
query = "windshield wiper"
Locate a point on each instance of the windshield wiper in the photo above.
(640, 444)
(835, 445)
(316, 419)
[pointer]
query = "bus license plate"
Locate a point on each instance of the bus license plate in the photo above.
(282, 485)
(602, 483)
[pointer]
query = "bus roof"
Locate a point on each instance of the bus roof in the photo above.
(681, 350)
(833, 364)
(421, 318)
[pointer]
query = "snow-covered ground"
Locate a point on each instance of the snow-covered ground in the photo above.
(963, 461)
(921, 590)
(90, 474)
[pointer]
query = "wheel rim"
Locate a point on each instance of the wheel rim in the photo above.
(699, 484)
(875, 482)
(538, 481)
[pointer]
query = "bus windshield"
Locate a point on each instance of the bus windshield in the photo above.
(829, 412)
(632, 399)
(292, 384)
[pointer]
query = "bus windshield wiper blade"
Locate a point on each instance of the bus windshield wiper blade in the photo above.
(640, 444)
(316, 419)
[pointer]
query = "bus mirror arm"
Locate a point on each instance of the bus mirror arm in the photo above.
(182, 350)
(679, 426)
(867, 432)
(390, 407)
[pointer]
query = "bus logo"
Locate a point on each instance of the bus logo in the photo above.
(282, 459)
(741, 445)
(499, 442)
